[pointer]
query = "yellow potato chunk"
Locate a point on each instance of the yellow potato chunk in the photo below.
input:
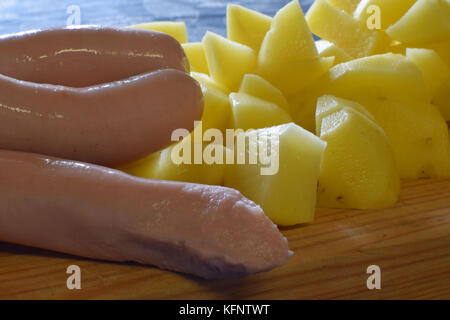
(194, 148)
(385, 75)
(348, 6)
(196, 56)
(396, 47)
(247, 26)
(328, 49)
(249, 112)
(442, 49)
(173, 28)
(288, 56)
(418, 134)
(328, 104)
(358, 167)
(144, 168)
(228, 61)
(216, 109)
(340, 28)
(288, 197)
(426, 21)
(204, 162)
(206, 80)
(442, 100)
(257, 86)
(434, 69)
(390, 11)
(379, 76)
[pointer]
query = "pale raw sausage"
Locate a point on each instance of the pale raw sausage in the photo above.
(109, 124)
(91, 211)
(87, 55)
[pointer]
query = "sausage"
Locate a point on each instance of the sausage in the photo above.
(109, 124)
(83, 56)
(209, 231)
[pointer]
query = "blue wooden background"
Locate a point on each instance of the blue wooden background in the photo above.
(199, 15)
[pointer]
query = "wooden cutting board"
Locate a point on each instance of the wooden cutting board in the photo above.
(410, 243)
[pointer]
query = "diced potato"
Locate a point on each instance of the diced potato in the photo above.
(257, 86)
(328, 49)
(386, 75)
(144, 168)
(292, 78)
(206, 80)
(442, 49)
(434, 69)
(358, 167)
(348, 6)
(396, 47)
(342, 29)
(228, 61)
(379, 76)
(288, 57)
(173, 28)
(289, 196)
(196, 56)
(303, 107)
(390, 10)
(289, 38)
(418, 134)
(202, 172)
(247, 26)
(216, 109)
(249, 112)
(328, 104)
(426, 21)
(442, 100)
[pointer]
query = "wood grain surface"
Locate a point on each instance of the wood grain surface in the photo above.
(410, 243)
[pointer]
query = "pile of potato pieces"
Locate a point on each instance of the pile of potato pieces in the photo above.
(356, 111)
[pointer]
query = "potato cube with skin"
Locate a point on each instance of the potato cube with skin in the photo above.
(173, 28)
(426, 21)
(288, 197)
(247, 26)
(340, 28)
(385, 75)
(228, 61)
(434, 69)
(196, 56)
(390, 11)
(288, 56)
(328, 49)
(249, 112)
(418, 134)
(257, 86)
(358, 166)
(379, 76)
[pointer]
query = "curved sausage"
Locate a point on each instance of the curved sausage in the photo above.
(95, 212)
(109, 124)
(87, 55)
